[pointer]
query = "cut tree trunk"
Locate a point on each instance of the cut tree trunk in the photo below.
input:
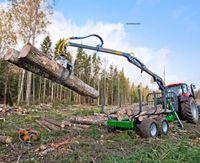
(40, 123)
(89, 120)
(66, 124)
(53, 122)
(50, 125)
(5, 139)
(35, 61)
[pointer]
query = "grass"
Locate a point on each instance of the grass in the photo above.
(97, 145)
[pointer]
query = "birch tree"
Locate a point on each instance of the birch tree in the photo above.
(7, 33)
(32, 18)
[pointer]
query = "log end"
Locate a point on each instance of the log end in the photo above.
(10, 54)
(8, 140)
(25, 51)
(5, 139)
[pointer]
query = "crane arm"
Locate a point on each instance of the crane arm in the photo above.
(130, 58)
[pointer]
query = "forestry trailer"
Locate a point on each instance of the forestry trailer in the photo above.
(175, 100)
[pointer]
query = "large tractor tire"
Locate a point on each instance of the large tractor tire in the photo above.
(148, 128)
(189, 111)
(163, 125)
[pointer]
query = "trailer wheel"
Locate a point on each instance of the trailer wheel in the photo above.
(163, 125)
(148, 128)
(111, 129)
(189, 111)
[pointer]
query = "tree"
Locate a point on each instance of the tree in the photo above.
(31, 20)
(46, 49)
(7, 39)
(7, 33)
(46, 46)
(95, 73)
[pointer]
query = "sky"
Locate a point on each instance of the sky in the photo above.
(168, 34)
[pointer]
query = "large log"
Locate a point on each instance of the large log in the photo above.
(31, 59)
(89, 120)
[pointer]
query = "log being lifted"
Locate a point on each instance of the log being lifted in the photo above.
(31, 59)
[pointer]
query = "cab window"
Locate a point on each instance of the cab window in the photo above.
(185, 88)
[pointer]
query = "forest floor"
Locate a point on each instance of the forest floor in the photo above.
(96, 144)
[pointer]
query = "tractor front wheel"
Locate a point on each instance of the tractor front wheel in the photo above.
(189, 111)
(148, 128)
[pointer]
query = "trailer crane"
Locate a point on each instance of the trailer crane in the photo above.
(155, 123)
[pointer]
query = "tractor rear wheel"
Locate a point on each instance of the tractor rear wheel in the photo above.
(189, 111)
(148, 128)
(163, 125)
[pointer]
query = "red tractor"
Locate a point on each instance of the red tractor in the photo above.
(187, 107)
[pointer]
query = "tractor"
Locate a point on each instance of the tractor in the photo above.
(175, 100)
(187, 108)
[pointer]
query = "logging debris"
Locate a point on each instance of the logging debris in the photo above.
(44, 149)
(8, 110)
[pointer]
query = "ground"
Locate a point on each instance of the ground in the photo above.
(95, 144)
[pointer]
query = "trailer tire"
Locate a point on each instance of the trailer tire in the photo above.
(111, 129)
(189, 111)
(163, 125)
(148, 128)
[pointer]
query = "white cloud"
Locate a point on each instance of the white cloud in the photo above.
(3, 3)
(114, 36)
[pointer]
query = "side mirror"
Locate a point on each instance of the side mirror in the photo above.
(192, 89)
(194, 86)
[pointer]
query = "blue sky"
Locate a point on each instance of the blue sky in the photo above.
(174, 25)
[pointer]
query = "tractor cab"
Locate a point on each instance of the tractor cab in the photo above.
(186, 101)
(182, 90)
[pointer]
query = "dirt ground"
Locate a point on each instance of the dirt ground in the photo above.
(95, 144)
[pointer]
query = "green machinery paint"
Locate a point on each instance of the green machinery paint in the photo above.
(127, 124)
(172, 116)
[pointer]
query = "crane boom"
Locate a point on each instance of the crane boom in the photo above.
(130, 58)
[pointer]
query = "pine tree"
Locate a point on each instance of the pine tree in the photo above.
(46, 49)
(46, 46)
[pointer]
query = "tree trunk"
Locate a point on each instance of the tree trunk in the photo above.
(19, 82)
(5, 90)
(34, 78)
(52, 91)
(33, 60)
(28, 87)
(40, 90)
(49, 90)
(98, 100)
(21, 87)
(60, 92)
(44, 90)
(57, 91)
